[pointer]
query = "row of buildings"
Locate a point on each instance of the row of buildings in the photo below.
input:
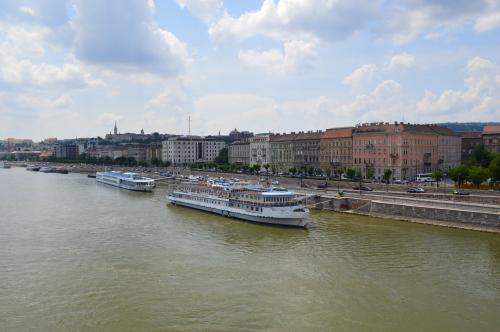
(406, 149)
(371, 148)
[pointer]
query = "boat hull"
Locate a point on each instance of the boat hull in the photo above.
(227, 212)
(124, 186)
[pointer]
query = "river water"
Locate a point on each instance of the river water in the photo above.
(76, 255)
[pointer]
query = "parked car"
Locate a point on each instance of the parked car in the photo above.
(323, 185)
(365, 188)
(460, 192)
(416, 190)
(275, 183)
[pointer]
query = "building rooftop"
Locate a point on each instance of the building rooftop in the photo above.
(388, 128)
(491, 130)
(337, 133)
(470, 134)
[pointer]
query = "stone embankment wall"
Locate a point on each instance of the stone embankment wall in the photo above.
(450, 216)
(489, 219)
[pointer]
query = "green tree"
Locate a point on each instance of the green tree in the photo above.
(459, 174)
(223, 157)
(266, 166)
(328, 172)
(387, 177)
(482, 156)
(292, 170)
(478, 175)
(155, 162)
(437, 176)
(494, 168)
(370, 173)
(350, 173)
(255, 168)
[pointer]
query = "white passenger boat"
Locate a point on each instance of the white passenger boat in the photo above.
(126, 180)
(46, 169)
(4, 165)
(242, 201)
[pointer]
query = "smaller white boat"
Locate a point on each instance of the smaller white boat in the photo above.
(33, 168)
(46, 169)
(4, 165)
(126, 180)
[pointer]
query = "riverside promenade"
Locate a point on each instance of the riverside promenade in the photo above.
(441, 211)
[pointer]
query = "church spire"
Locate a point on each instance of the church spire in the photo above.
(116, 129)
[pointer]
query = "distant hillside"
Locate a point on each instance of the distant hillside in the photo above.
(467, 126)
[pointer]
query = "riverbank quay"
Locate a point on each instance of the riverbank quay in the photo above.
(464, 215)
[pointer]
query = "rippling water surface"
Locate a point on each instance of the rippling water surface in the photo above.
(80, 256)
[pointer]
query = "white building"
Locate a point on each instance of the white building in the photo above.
(186, 150)
(239, 153)
(260, 150)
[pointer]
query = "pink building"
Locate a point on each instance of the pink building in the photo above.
(405, 149)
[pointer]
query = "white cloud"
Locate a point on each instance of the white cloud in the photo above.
(108, 119)
(488, 22)
(172, 99)
(360, 78)
(480, 98)
(299, 25)
(132, 42)
(19, 45)
(402, 61)
(27, 10)
(296, 56)
(408, 19)
(206, 10)
(298, 19)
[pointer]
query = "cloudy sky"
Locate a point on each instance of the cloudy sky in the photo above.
(70, 68)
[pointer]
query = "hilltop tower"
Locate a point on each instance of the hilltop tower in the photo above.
(116, 129)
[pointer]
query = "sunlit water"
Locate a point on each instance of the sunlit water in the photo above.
(76, 255)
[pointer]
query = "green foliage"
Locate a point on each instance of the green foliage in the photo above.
(482, 156)
(292, 170)
(223, 157)
(437, 175)
(350, 173)
(370, 173)
(459, 174)
(255, 168)
(494, 168)
(387, 175)
(478, 175)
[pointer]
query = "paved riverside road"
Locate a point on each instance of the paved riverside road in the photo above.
(379, 196)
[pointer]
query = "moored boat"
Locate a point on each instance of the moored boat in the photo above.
(126, 180)
(4, 165)
(46, 169)
(33, 168)
(243, 201)
(60, 170)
